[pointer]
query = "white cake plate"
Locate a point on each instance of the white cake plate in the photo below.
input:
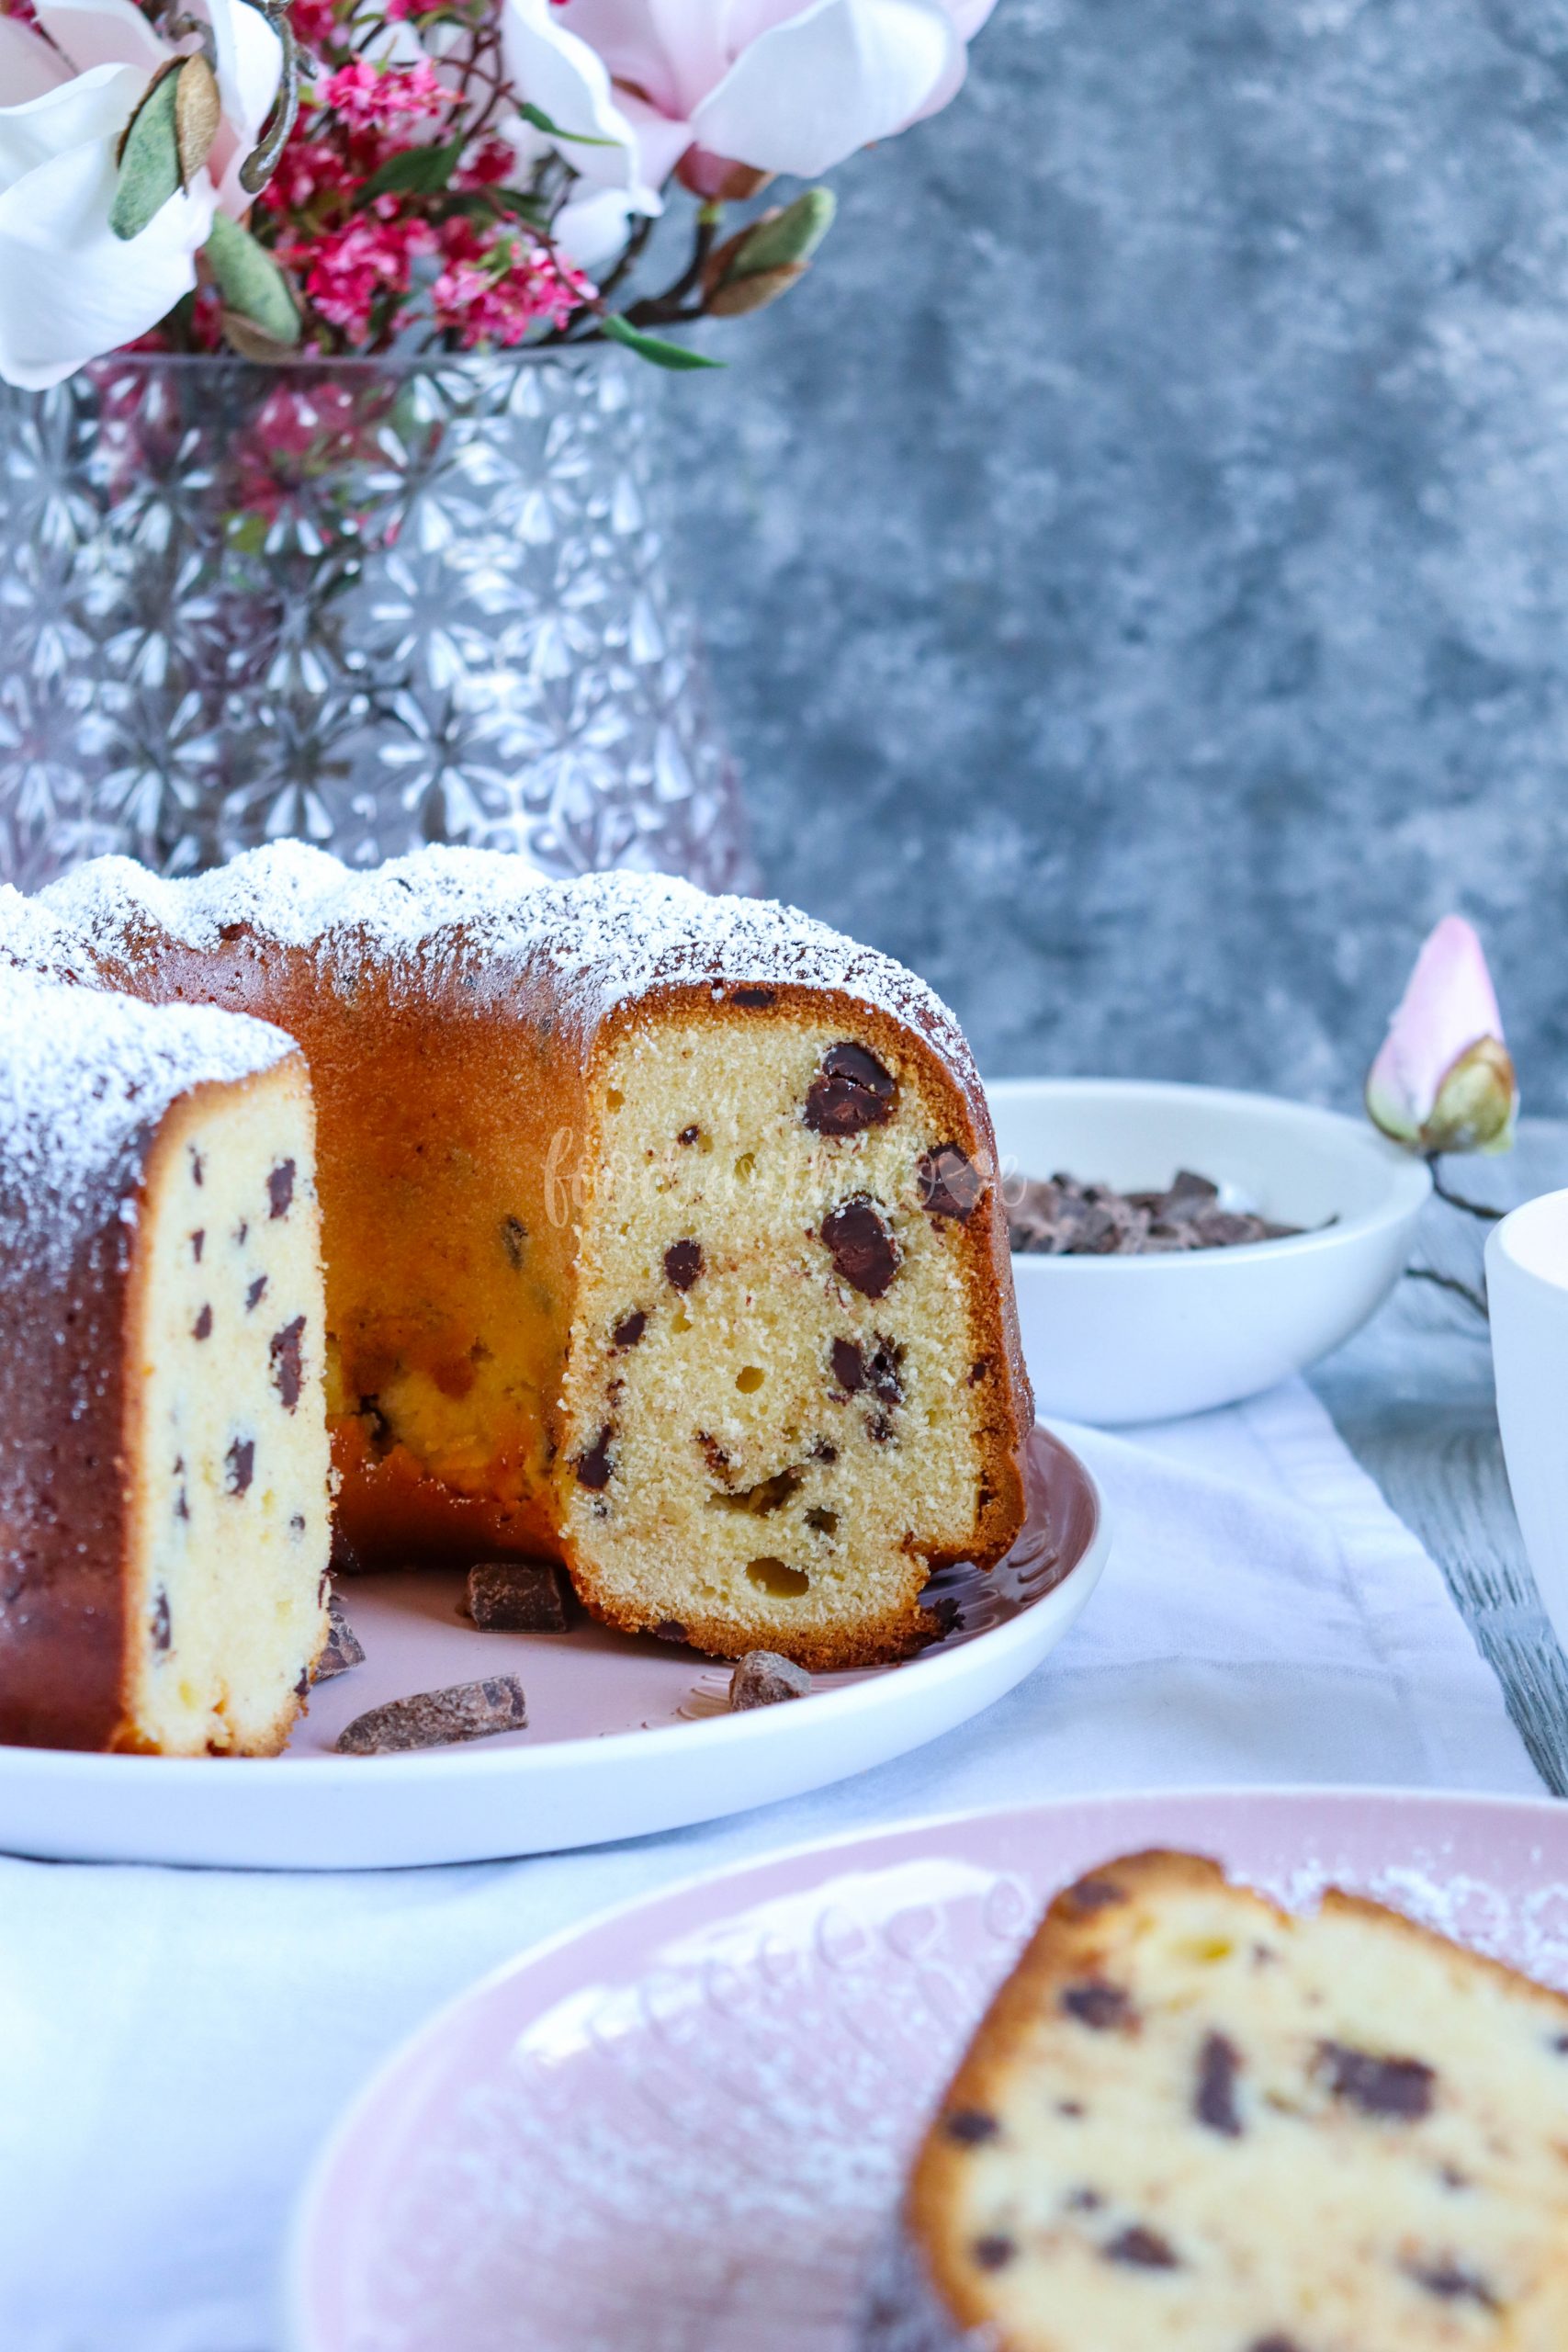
(625, 1736)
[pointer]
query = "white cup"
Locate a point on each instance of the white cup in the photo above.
(1527, 1290)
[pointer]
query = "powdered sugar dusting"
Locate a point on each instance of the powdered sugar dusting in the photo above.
(605, 939)
(84, 1078)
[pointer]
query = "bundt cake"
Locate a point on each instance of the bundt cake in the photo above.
(1191, 2119)
(661, 1231)
(163, 1466)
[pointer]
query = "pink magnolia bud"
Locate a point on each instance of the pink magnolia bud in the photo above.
(1443, 1080)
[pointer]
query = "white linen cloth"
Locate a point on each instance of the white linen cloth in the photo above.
(176, 2044)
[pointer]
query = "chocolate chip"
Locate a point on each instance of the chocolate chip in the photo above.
(865, 1253)
(1274, 2344)
(345, 1560)
(683, 1263)
(593, 1467)
(754, 1000)
(688, 1134)
(517, 1596)
(256, 1293)
(515, 1241)
(182, 1508)
(628, 1333)
(848, 1366)
(1559, 2043)
(198, 1243)
(436, 1718)
(1214, 2102)
(850, 1092)
(878, 1428)
(1452, 2284)
(162, 1633)
(823, 1450)
(302, 1687)
(767, 1495)
(202, 1328)
(949, 1183)
(286, 1375)
(1094, 1894)
(970, 2126)
(979, 1368)
(1398, 2087)
(280, 1188)
(713, 1453)
(198, 1167)
(993, 2253)
(1142, 2249)
(1070, 2108)
(670, 1629)
(242, 1465)
(1103, 2008)
(1084, 2201)
(764, 1678)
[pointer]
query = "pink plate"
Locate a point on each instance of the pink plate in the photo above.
(624, 1737)
(681, 2129)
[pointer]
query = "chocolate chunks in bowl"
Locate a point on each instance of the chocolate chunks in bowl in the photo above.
(1061, 1217)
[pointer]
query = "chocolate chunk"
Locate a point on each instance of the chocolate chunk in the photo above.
(850, 1092)
(1214, 2102)
(593, 1467)
(878, 1428)
(1103, 2008)
(979, 1368)
(1142, 2249)
(1072, 2107)
(670, 1629)
(823, 1450)
(280, 1188)
(341, 1650)
(242, 1465)
(949, 1183)
(688, 1134)
(437, 1718)
(762, 1679)
(683, 1263)
(515, 1241)
(754, 1000)
(197, 1167)
(202, 1328)
(182, 1507)
(1274, 2344)
(1452, 2284)
(302, 1687)
(1398, 2087)
(161, 1631)
(865, 1253)
(848, 1366)
(256, 1293)
(517, 1596)
(713, 1453)
(629, 1332)
(767, 1495)
(198, 1243)
(1065, 1219)
(993, 2253)
(1084, 2201)
(284, 1348)
(345, 1560)
(1093, 1894)
(970, 2127)
(1187, 1193)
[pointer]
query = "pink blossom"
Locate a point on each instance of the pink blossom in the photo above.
(314, 22)
(348, 270)
(377, 97)
(498, 294)
(1443, 1079)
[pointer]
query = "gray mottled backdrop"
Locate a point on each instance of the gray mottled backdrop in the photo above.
(1136, 563)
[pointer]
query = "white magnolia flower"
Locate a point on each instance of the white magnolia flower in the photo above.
(70, 288)
(766, 84)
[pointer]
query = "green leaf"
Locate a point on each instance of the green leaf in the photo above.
(251, 281)
(418, 170)
(541, 122)
(653, 347)
(791, 236)
(149, 159)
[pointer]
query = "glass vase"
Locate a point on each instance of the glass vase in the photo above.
(368, 603)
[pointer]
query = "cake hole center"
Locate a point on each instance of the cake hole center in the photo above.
(750, 1379)
(778, 1580)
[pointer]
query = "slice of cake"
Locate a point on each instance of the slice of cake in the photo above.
(662, 1232)
(1192, 2121)
(163, 1460)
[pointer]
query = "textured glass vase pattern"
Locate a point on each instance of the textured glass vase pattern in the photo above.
(368, 604)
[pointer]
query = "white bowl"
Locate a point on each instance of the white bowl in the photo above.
(1143, 1338)
(1527, 1290)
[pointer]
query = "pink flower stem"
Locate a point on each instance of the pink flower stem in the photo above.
(1456, 1200)
(1471, 1296)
